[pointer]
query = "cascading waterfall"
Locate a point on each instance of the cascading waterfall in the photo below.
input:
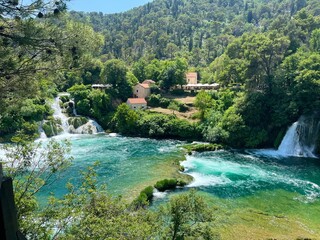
(74, 110)
(58, 114)
(41, 131)
(301, 137)
(65, 124)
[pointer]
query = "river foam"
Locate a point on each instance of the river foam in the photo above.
(234, 174)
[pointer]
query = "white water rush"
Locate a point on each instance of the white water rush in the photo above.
(58, 114)
(301, 137)
(64, 125)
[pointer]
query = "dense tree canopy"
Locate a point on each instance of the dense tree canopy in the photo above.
(197, 30)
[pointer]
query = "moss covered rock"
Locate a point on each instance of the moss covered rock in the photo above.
(203, 147)
(77, 121)
(166, 184)
(52, 127)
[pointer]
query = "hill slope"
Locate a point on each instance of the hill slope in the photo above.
(195, 29)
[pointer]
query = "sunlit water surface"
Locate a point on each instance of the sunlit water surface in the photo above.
(258, 191)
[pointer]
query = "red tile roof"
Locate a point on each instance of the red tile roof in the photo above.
(136, 101)
(148, 81)
(144, 85)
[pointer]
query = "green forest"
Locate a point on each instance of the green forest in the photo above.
(265, 55)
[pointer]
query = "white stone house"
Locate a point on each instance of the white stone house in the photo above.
(141, 90)
(137, 103)
(192, 78)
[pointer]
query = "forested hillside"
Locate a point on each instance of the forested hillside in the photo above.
(257, 46)
(196, 30)
(269, 48)
(264, 55)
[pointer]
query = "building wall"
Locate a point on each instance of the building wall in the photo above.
(137, 106)
(192, 80)
(141, 92)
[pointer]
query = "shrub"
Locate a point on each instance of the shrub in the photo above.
(144, 198)
(181, 183)
(178, 92)
(30, 128)
(166, 184)
(148, 191)
(164, 102)
(183, 107)
(64, 98)
(203, 147)
(155, 100)
(32, 111)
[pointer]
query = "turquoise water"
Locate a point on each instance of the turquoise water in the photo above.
(264, 194)
(235, 174)
(259, 196)
(124, 162)
(253, 194)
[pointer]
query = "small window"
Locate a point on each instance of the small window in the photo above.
(137, 90)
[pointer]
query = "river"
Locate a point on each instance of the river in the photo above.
(253, 193)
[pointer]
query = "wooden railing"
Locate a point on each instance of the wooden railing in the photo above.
(8, 214)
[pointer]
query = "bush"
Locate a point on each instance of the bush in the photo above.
(155, 100)
(155, 89)
(166, 184)
(148, 191)
(64, 98)
(30, 128)
(203, 147)
(32, 111)
(144, 198)
(183, 129)
(181, 106)
(178, 92)
(83, 107)
(181, 183)
(164, 102)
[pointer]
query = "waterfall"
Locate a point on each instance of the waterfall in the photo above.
(74, 111)
(301, 137)
(59, 115)
(62, 124)
(91, 127)
(41, 131)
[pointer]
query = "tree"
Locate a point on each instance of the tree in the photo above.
(203, 102)
(34, 52)
(139, 69)
(91, 72)
(26, 45)
(125, 119)
(173, 73)
(260, 54)
(115, 73)
(174, 107)
(131, 78)
(186, 215)
(33, 166)
(315, 40)
(171, 49)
